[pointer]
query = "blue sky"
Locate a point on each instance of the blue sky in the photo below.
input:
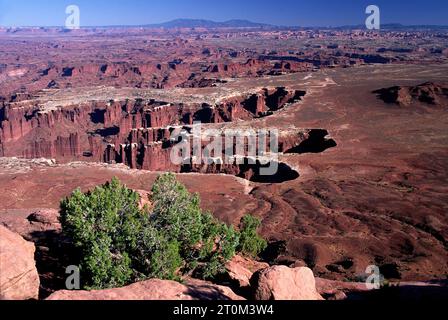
(280, 12)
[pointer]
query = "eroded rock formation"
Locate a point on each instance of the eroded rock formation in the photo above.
(429, 93)
(136, 132)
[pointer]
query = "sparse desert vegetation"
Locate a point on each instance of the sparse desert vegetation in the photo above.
(119, 243)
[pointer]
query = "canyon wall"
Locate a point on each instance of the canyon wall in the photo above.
(133, 132)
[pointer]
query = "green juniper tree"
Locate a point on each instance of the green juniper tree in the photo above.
(119, 243)
(250, 244)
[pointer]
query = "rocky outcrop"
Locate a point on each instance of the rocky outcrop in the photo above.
(429, 93)
(240, 270)
(42, 228)
(154, 290)
(257, 67)
(137, 132)
(110, 130)
(62, 133)
(19, 279)
(283, 283)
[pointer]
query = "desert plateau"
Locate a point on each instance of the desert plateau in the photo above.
(361, 123)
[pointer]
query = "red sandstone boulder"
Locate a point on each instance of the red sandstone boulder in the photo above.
(283, 283)
(154, 290)
(241, 270)
(18, 277)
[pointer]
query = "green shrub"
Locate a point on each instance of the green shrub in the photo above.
(250, 244)
(106, 269)
(156, 256)
(166, 261)
(103, 225)
(218, 246)
(119, 243)
(205, 244)
(177, 212)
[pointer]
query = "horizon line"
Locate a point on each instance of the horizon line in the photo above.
(159, 25)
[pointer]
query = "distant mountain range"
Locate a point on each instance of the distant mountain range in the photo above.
(209, 24)
(201, 23)
(238, 23)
